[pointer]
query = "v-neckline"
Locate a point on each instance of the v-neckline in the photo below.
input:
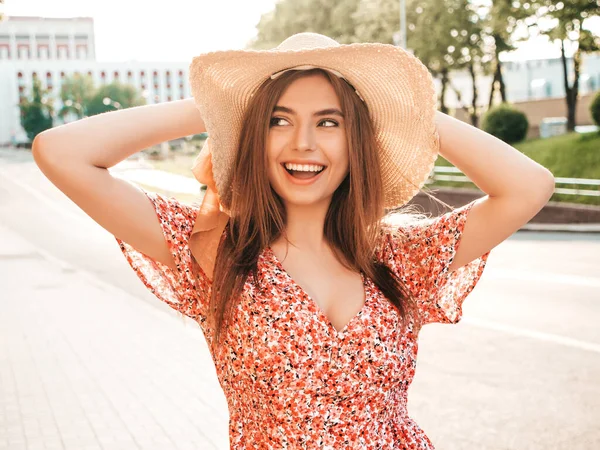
(315, 306)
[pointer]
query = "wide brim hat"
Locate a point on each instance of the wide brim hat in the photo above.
(396, 87)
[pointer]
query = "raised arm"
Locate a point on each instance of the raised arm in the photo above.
(75, 157)
(517, 187)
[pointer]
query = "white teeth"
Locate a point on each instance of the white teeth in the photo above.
(304, 167)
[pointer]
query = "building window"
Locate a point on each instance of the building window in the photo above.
(23, 52)
(63, 52)
(42, 51)
(81, 52)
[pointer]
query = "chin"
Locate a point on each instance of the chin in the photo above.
(299, 200)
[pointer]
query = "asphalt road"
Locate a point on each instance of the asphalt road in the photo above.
(521, 370)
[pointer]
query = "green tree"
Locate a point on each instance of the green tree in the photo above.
(445, 35)
(568, 26)
(113, 96)
(500, 24)
(333, 19)
(428, 25)
(37, 112)
(474, 56)
(76, 92)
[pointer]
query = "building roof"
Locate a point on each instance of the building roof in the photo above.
(46, 19)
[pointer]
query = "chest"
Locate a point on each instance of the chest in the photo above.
(282, 341)
(337, 293)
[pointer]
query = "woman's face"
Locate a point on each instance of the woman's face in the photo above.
(307, 131)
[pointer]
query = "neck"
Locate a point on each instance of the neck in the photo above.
(305, 225)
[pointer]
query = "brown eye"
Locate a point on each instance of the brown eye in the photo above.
(275, 121)
(332, 122)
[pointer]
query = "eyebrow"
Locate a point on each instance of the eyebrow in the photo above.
(323, 112)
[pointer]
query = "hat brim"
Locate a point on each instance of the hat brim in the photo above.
(397, 88)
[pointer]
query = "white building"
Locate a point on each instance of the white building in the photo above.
(52, 49)
(534, 79)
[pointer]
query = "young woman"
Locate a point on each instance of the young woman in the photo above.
(310, 296)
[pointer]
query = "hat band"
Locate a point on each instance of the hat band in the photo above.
(309, 67)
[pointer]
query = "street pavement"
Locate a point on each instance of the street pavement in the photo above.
(89, 359)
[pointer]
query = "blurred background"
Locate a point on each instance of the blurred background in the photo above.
(90, 359)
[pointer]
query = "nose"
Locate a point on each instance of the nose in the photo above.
(305, 139)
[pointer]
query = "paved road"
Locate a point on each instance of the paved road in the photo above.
(90, 359)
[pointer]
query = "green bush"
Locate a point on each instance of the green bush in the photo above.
(505, 123)
(595, 108)
(36, 112)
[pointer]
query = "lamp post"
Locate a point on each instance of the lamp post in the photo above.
(403, 24)
(400, 35)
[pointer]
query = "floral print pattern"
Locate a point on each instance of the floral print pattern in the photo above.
(292, 380)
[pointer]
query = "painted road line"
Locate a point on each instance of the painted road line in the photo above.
(538, 335)
(542, 277)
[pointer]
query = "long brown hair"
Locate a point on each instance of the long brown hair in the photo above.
(258, 217)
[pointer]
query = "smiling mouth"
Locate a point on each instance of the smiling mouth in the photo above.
(303, 174)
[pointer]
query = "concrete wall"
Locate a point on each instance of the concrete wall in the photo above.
(552, 213)
(536, 110)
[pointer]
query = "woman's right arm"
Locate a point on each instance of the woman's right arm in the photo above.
(75, 157)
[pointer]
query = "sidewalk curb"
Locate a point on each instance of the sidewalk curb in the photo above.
(563, 227)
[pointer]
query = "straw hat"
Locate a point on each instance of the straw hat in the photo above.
(396, 87)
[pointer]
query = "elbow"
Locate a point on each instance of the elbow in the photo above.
(43, 149)
(37, 146)
(547, 185)
(541, 188)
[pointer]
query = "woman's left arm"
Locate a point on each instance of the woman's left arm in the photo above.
(517, 187)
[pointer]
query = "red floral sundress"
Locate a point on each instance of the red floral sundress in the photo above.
(292, 380)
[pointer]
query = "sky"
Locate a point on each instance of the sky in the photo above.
(146, 30)
(177, 30)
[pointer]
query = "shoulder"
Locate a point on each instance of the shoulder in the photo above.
(401, 228)
(174, 214)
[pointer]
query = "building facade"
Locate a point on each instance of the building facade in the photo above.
(52, 49)
(527, 80)
(57, 48)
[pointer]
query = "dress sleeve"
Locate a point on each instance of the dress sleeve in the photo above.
(180, 289)
(421, 255)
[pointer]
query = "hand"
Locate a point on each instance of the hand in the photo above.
(203, 171)
(203, 168)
